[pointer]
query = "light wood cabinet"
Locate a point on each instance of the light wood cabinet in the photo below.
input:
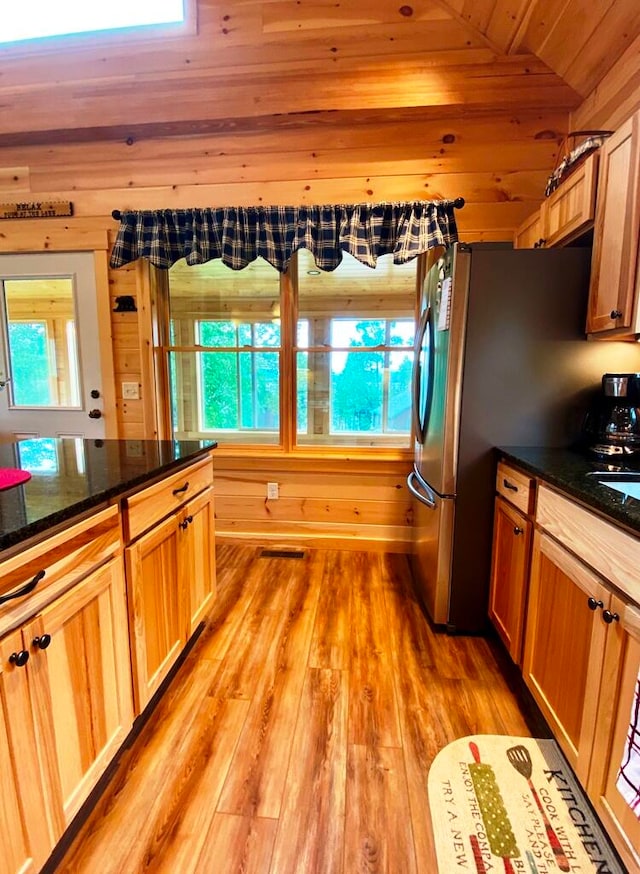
(170, 573)
(571, 209)
(613, 289)
(67, 685)
(530, 234)
(512, 533)
(509, 575)
(616, 707)
(565, 214)
(26, 833)
(564, 646)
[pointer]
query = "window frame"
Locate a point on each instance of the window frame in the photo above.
(287, 445)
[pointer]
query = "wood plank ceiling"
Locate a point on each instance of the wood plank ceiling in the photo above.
(373, 100)
(257, 63)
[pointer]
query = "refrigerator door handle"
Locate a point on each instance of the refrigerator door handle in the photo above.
(421, 416)
(429, 498)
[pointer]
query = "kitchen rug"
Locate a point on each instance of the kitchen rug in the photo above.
(512, 804)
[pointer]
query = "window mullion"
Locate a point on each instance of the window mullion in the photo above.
(288, 324)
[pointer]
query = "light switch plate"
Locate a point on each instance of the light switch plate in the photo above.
(131, 391)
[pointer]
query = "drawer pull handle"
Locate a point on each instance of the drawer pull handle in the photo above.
(510, 486)
(593, 604)
(30, 586)
(610, 617)
(42, 642)
(181, 489)
(19, 659)
(517, 530)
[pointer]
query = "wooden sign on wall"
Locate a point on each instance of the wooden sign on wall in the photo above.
(36, 209)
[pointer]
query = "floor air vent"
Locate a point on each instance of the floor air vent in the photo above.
(282, 553)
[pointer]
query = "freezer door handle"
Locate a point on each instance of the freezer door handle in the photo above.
(429, 498)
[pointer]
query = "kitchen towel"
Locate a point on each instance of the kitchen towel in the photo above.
(513, 804)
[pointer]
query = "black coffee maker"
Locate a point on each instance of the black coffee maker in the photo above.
(612, 425)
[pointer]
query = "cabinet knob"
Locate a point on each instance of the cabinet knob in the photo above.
(616, 314)
(185, 522)
(42, 642)
(593, 604)
(610, 617)
(517, 530)
(19, 659)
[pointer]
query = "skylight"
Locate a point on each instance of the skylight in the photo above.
(32, 19)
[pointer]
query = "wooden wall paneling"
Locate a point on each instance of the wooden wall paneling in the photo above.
(145, 337)
(616, 97)
(108, 405)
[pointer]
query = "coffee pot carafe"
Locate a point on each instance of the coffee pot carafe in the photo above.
(612, 425)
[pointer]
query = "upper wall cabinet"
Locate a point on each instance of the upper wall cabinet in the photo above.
(612, 293)
(566, 213)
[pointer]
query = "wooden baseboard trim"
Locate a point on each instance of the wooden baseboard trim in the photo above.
(297, 541)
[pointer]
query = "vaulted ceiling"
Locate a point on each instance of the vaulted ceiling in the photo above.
(260, 64)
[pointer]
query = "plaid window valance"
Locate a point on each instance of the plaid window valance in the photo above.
(238, 235)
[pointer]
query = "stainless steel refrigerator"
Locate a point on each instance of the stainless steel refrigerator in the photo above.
(501, 360)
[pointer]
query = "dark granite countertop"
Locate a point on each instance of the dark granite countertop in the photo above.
(71, 476)
(567, 469)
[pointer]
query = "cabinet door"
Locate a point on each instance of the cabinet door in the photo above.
(80, 681)
(617, 708)
(530, 233)
(197, 559)
(509, 575)
(27, 831)
(615, 241)
(564, 646)
(155, 608)
(571, 207)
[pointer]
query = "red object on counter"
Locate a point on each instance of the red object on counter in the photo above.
(12, 476)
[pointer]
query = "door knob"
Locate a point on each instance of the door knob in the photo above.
(95, 414)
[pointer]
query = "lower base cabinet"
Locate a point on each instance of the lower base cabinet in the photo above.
(171, 578)
(66, 708)
(617, 709)
(564, 647)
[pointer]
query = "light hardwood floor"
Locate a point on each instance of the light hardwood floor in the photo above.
(298, 733)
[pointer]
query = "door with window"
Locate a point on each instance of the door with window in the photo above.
(50, 380)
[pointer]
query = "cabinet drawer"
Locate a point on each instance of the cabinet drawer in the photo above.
(611, 552)
(516, 487)
(55, 564)
(149, 506)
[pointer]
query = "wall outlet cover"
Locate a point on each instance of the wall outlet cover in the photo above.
(131, 391)
(272, 491)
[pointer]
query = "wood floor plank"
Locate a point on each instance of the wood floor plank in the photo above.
(187, 836)
(256, 780)
(373, 713)
(237, 845)
(330, 644)
(378, 831)
(311, 828)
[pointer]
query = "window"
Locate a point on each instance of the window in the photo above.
(32, 19)
(308, 359)
(40, 325)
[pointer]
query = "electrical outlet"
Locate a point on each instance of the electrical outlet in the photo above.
(131, 391)
(272, 491)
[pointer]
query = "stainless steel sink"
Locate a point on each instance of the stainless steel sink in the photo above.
(625, 481)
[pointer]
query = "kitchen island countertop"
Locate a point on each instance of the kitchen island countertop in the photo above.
(567, 470)
(71, 476)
